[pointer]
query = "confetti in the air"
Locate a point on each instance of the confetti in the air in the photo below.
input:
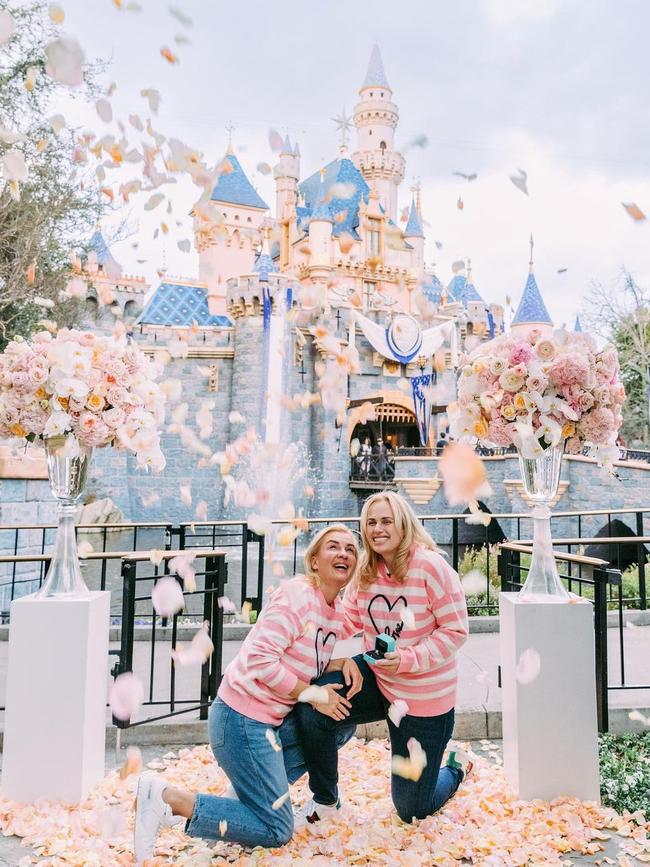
(7, 26)
(528, 666)
(463, 474)
(64, 61)
(520, 181)
(200, 649)
(126, 695)
(410, 768)
(634, 211)
(167, 596)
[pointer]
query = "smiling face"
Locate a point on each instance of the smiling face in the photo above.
(335, 561)
(383, 536)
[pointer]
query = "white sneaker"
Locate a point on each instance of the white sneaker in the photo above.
(312, 812)
(151, 814)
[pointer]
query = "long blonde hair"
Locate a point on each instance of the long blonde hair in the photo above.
(407, 525)
(314, 547)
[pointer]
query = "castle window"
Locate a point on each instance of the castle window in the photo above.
(373, 238)
(237, 216)
(249, 220)
(382, 94)
(368, 293)
(382, 146)
(284, 245)
(371, 93)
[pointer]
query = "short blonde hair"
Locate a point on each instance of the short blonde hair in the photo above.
(407, 524)
(314, 547)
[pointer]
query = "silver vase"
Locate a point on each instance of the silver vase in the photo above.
(541, 478)
(67, 468)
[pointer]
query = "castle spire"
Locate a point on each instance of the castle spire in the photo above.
(375, 75)
(414, 225)
(531, 310)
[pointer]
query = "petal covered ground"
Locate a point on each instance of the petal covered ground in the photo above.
(483, 824)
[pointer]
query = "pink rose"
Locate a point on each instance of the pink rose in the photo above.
(569, 369)
(499, 432)
(522, 353)
(584, 401)
(114, 417)
(598, 425)
(573, 445)
(545, 349)
(20, 381)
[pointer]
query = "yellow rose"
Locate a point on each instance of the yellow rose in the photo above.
(568, 430)
(64, 402)
(480, 428)
(508, 411)
(18, 430)
(40, 393)
(521, 401)
(478, 367)
(95, 401)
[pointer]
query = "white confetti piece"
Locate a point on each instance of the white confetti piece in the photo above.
(280, 801)
(528, 666)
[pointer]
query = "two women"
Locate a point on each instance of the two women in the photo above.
(263, 739)
(253, 733)
(408, 592)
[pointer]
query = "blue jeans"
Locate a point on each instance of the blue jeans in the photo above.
(411, 799)
(259, 774)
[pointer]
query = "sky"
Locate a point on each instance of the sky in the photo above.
(557, 88)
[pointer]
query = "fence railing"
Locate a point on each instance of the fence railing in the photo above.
(600, 581)
(210, 586)
(22, 566)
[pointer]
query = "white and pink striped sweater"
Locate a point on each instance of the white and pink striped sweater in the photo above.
(292, 640)
(426, 677)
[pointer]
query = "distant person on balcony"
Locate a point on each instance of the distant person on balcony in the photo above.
(407, 591)
(442, 442)
(381, 458)
(363, 458)
(253, 729)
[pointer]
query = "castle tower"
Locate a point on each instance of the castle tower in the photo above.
(320, 237)
(414, 236)
(110, 293)
(376, 117)
(287, 174)
(227, 240)
(532, 310)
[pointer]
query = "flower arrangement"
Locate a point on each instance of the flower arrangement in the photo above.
(99, 388)
(539, 390)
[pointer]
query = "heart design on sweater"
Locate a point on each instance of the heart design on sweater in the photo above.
(323, 639)
(385, 602)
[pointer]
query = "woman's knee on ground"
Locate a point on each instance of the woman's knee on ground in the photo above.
(281, 831)
(408, 809)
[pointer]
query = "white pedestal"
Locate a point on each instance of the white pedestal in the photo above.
(55, 722)
(550, 732)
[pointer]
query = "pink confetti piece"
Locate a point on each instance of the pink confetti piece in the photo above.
(167, 596)
(227, 605)
(200, 649)
(126, 695)
(65, 60)
(397, 711)
(315, 694)
(410, 768)
(528, 666)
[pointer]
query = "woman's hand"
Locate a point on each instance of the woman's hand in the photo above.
(352, 677)
(390, 662)
(337, 707)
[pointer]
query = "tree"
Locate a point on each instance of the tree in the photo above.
(621, 314)
(53, 212)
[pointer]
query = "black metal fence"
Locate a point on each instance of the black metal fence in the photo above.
(137, 604)
(22, 556)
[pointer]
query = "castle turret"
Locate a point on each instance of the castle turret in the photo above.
(227, 244)
(376, 117)
(110, 293)
(320, 236)
(287, 174)
(414, 236)
(532, 310)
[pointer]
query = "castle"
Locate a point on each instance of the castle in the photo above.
(276, 296)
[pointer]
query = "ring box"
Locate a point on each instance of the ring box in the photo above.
(384, 644)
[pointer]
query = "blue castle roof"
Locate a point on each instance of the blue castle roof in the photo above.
(375, 76)
(577, 327)
(414, 226)
(234, 188)
(456, 287)
(344, 212)
(321, 209)
(100, 248)
(531, 307)
(432, 288)
(264, 265)
(180, 304)
(470, 293)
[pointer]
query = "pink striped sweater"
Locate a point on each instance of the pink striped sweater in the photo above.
(429, 636)
(292, 640)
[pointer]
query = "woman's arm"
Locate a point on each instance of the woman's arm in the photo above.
(277, 630)
(352, 624)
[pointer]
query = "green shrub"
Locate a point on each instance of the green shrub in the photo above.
(625, 771)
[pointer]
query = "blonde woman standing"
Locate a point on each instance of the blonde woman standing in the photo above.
(405, 592)
(253, 733)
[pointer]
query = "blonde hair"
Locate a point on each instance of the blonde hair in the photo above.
(407, 525)
(314, 547)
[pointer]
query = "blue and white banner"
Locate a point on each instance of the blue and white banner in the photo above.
(422, 402)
